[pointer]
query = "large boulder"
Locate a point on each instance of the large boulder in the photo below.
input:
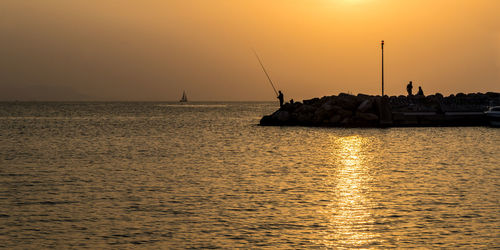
(328, 106)
(310, 101)
(362, 97)
(287, 107)
(335, 120)
(320, 115)
(367, 116)
(340, 111)
(365, 105)
(346, 122)
(305, 118)
(306, 108)
(268, 120)
(365, 120)
(346, 101)
(282, 116)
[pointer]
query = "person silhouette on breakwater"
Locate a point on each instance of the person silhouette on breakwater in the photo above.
(420, 91)
(409, 88)
(281, 98)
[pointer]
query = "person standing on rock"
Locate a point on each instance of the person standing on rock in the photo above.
(281, 98)
(409, 88)
(420, 91)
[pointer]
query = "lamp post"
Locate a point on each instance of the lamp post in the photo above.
(382, 67)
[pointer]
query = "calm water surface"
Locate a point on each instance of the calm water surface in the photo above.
(203, 175)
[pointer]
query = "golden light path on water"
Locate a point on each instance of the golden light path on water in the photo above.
(350, 220)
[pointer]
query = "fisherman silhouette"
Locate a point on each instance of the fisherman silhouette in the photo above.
(420, 91)
(280, 97)
(409, 88)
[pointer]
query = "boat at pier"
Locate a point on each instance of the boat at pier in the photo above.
(493, 116)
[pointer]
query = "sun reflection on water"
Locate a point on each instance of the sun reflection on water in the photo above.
(350, 218)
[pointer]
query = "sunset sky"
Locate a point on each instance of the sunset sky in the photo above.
(152, 50)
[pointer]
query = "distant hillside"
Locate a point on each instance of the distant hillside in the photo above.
(40, 93)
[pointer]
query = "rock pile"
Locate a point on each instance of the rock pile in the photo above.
(347, 110)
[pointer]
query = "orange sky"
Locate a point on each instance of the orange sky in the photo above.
(155, 49)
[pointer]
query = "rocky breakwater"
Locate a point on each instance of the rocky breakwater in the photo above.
(347, 110)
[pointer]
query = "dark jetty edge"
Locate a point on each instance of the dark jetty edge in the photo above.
(347, 110)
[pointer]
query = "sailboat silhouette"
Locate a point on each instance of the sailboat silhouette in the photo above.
(184, 97)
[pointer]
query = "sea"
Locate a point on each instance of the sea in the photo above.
(165, 175)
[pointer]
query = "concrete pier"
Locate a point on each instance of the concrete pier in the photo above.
(402, 119)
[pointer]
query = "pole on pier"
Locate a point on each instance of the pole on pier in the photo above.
(382, 67)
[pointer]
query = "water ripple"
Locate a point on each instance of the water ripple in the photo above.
(163, 175)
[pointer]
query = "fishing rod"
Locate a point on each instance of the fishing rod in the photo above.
(265, 71)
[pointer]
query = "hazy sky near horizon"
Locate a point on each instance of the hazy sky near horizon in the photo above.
(154, 49)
